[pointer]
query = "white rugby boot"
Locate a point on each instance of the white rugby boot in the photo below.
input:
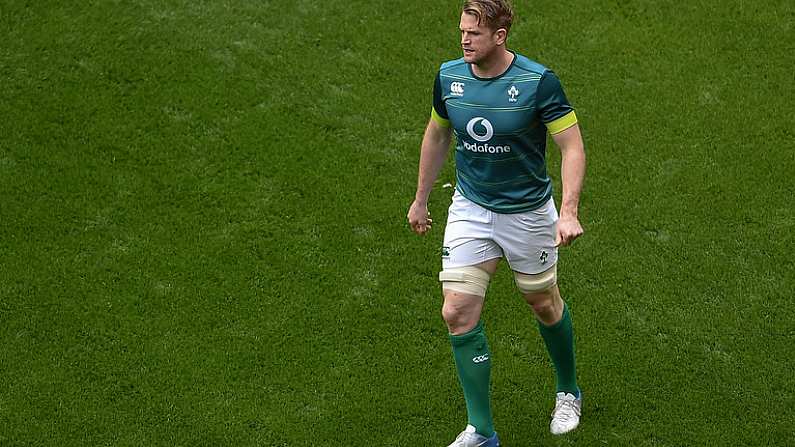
(566, 415)
(470, 438)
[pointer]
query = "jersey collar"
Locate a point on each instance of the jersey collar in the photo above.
(513, 61)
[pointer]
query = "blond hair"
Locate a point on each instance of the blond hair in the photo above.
(493, 14)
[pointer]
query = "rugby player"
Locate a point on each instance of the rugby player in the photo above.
(501, 106)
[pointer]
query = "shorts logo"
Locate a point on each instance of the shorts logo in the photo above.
(486, 126)
(445, 252)
(480, 358)
(457, 89)
(543, 257)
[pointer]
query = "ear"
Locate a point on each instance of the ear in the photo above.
(500, 36)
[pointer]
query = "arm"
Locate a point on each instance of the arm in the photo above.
(433, 152)
(572, 173)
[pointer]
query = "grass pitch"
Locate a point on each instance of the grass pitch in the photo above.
(203, 237)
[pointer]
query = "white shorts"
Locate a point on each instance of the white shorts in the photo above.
(475, 235)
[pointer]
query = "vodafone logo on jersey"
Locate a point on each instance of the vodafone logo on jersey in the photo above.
(485, 124)
(481, 130)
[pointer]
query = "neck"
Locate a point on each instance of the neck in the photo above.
(495, 65)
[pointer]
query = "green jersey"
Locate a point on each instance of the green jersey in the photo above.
(501, 127)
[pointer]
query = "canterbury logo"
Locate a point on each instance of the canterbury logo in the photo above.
(457, 88)
(480, 358)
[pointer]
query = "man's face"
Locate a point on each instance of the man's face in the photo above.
(477, 41)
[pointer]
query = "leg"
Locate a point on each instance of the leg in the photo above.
(554, 323)
(464, 292)
(468, 242)
(528, 241)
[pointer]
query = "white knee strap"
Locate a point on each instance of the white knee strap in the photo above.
(469, 280)
(538, 282)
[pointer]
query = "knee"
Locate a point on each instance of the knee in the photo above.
(541, 303)
(454, 315)
(547, 305)
(459, 318)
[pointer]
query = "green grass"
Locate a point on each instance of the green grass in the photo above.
(203, 237)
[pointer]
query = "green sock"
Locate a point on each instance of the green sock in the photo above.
(559, 339)
(473, 361)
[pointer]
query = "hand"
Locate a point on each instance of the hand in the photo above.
(419, 218)
(569, 229)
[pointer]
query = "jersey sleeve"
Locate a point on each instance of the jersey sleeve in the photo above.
(553, 106)
(439, 110)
